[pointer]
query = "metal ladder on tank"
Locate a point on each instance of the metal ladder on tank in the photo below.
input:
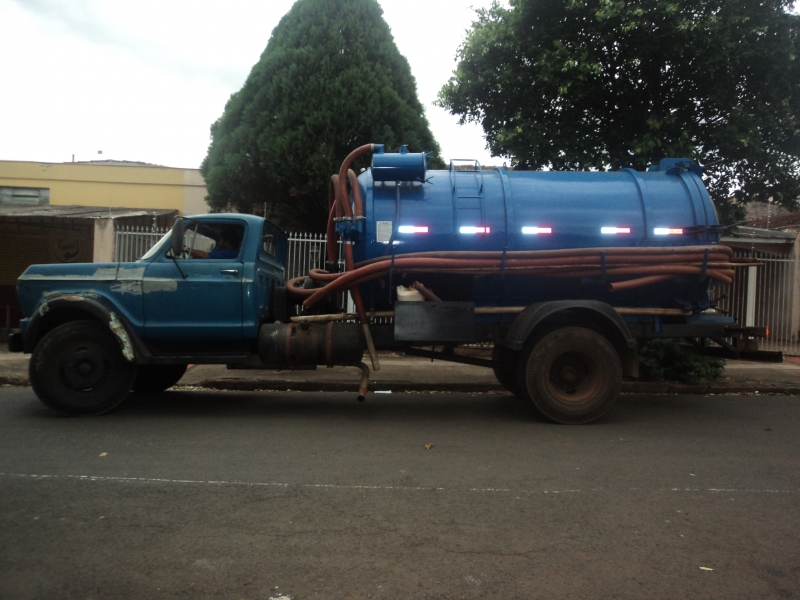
(469, 189)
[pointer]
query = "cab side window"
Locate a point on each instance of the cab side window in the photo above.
(221, 241)
(269, 240)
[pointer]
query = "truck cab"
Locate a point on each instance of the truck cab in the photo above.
(97, 330)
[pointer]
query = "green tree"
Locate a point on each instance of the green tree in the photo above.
(606, 84)
(330, 79)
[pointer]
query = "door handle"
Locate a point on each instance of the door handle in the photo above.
(229, 271)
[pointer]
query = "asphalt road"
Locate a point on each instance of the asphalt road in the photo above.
(311, 495)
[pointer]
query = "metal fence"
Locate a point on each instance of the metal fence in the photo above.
(133, 242)
(765, 296)
(308, 251)
(759, 296)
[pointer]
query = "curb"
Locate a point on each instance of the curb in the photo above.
(252, 385)
(656, 387)
(14, 380)
(628, 387)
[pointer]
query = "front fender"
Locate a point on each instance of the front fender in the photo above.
(57, 309)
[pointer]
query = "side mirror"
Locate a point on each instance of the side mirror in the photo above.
(176, 241)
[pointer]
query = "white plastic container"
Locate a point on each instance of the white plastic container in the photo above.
(405, 294)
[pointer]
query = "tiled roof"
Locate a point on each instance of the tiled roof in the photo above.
(78, 212)
(789, 221)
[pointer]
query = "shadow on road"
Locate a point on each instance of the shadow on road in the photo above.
(489, 408)
(327, 405)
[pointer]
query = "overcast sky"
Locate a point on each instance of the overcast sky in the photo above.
(144, 79)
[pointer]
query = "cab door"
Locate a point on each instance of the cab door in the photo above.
(197, 298)
(271, 273)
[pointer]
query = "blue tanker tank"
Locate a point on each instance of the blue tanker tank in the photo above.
(409, 209)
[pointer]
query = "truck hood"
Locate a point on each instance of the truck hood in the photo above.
(42, 280)
(72, 272)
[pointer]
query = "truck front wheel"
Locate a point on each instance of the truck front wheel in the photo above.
(573, 375)
(78, 369)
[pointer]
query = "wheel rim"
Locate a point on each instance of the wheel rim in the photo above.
(573, 378)
(84, 368)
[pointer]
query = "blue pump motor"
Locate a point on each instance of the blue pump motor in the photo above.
(402, 166)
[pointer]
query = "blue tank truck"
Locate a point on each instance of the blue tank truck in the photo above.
(565, 272)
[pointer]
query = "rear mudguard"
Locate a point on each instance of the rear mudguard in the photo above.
(610, 322)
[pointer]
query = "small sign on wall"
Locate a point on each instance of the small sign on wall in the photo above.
(68, 250)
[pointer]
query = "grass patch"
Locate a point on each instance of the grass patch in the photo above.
(671, 360)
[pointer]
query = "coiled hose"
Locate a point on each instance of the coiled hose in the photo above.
(644, 266)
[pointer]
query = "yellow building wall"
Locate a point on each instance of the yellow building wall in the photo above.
(194, 193)
(103, 185)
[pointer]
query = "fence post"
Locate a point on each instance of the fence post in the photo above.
(750, 305)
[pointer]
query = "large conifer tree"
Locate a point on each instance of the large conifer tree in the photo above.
(330, 79)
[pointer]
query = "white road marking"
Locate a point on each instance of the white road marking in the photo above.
(100, 478)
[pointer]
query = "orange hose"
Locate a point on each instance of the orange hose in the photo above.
(635, 283)
(293, 290)
(334, 210)
(487, 267)
(344, 202)
(322, 275)
(429, 295)
(343, 195)
(356, 189)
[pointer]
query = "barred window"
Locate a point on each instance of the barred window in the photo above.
(24, 196)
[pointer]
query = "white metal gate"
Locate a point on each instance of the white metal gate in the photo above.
(306, 250)
(133, 242)
(765, 296)
(309, 251)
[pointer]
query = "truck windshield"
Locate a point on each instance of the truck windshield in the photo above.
(159, 244)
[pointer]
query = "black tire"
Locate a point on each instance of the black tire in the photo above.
(151, 379)
(507, 373)
(78, 369)
(572, 375)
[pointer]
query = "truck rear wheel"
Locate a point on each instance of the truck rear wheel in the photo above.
(573, 375)
(151, 379)
(78, 369)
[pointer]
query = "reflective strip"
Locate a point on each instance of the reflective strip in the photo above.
(412, 229)
(615, 230)
(475, 230)
(536, 230)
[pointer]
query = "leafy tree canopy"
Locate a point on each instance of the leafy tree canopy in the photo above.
(606, 84)
(329, 80)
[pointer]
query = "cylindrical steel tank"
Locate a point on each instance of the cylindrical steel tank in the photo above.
(535, 210)
(476, 209)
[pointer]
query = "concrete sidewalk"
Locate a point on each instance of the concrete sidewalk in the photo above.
(407, 374)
